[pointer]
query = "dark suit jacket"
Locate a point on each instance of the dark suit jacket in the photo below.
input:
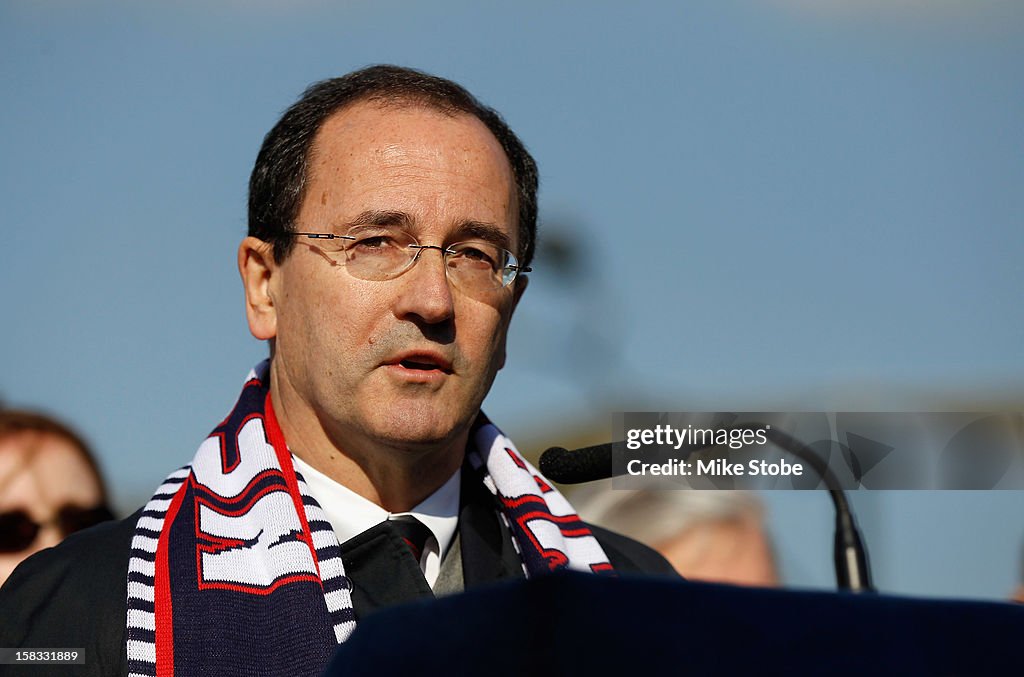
(75, 595)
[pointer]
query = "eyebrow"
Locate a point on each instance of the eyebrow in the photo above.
(377, 217)
(481, 230)
(488, 232)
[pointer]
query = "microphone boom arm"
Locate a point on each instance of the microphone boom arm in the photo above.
(849, 554)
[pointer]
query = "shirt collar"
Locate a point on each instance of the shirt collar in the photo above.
(350, 514)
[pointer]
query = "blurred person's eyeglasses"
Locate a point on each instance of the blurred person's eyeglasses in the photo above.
(18, 530)
(382, 253)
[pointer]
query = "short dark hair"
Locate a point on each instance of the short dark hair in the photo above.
(278, 181)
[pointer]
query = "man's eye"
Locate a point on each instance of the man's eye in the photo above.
(477, 256)
(372, 243)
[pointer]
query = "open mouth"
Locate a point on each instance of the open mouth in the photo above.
(424, 362)
(420, 366)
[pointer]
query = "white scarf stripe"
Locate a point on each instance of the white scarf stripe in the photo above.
(332, 570)
(145, 543)
(145, 650)
(142, 567)
(142, 653)
(138, 590)
(139, 619)
(149, 523)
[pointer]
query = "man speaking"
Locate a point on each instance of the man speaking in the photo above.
(392, 219)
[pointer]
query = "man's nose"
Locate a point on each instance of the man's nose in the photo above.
(427, 293)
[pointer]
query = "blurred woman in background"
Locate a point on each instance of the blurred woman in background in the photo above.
(50, 486)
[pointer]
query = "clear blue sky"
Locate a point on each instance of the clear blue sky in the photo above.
(778, 204)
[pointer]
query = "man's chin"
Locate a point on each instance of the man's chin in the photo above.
(418, 427)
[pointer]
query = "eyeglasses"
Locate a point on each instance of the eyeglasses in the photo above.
(381, 253)
(18, 530)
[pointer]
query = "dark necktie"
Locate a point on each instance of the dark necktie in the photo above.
(413, 532)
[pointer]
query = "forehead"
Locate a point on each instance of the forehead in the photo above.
(409, 158)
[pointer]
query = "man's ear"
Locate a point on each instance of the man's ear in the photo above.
(257, 266)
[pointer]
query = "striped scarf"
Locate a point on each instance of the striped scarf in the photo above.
(235, 570)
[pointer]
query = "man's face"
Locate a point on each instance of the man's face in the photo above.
(408, 360)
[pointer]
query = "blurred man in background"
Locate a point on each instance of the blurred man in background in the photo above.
(716, 536)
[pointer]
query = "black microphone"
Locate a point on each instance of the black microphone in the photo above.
(849, 553)
(576, 467)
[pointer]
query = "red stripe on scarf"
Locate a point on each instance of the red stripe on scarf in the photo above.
(277, 441)
(164, 619)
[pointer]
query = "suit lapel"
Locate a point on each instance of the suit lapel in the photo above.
(382, 569)
(487, 551)
(384, 573)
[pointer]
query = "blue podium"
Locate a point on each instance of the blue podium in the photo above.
(575, 624)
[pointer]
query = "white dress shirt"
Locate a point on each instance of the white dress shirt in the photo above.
(350, 514)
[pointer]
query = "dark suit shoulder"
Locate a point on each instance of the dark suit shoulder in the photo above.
(631, 557)
(74, 596)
